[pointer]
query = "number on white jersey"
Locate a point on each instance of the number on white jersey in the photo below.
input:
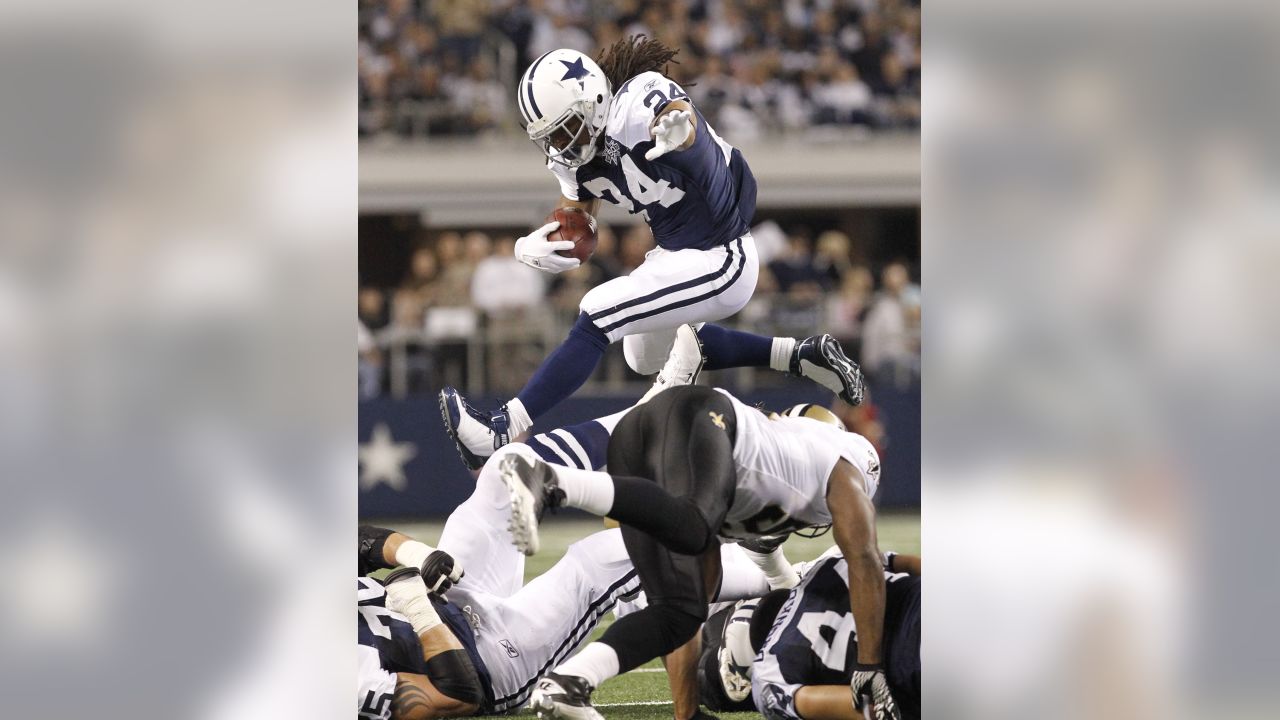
(832, 654)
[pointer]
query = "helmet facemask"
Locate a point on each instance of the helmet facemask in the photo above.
(562, 140)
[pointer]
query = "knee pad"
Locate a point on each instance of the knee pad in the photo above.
(646, 353)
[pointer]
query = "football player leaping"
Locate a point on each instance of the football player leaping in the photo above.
(622, 131)
(688, 469)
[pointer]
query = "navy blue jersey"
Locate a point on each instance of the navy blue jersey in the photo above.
(387, 631)
(700, 197)
(398, 646)
(814, 641)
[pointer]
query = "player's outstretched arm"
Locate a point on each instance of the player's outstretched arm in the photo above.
(673, 130)
(826, 702)
(381, 548)
(900, 563)
(853, 520)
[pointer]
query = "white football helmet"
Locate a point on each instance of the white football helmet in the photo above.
(564, 99)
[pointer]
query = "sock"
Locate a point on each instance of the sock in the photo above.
(565, 369)
(585, 445)
(518, 417)
(727, 348)
(780, 353)
(776, 568)
(412, 553)
(597, 662)
(586, 489)
(737, 634)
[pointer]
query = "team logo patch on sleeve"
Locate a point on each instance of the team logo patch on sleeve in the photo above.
(718, 419)
(777, 704)
(511, 649)
(612, 150)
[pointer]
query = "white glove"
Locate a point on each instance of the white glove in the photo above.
(535, 251)
(669, 133)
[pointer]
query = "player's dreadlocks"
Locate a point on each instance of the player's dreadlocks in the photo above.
(631, 56)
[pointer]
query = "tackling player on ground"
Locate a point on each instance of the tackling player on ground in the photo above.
(622, 131)
(485, 646)
(689, 469)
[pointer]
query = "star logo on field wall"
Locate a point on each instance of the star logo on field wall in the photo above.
(382, 460)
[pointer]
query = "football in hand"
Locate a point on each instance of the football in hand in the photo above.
(576, 226)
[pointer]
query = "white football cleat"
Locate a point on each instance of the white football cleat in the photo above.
(683, 365)
(533, 487)
(564, 696)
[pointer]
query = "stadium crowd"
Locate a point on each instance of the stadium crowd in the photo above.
(448, 67)
(464, 287)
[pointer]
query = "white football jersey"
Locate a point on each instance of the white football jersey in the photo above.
(783, 464)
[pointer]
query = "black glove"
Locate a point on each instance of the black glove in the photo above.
(440, 571)
(869, 680)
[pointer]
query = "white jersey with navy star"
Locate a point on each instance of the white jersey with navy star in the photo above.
(698, 198)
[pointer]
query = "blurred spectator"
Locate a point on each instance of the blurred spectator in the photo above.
(372, 308)
(831, 258)
(461, 23)
(455, 278)
(479, 99)
(503, 283)
(890, 335)
(846, 308)
(844, 99)
(794, 269)
(553, 30)
(369, 363)
(424, 275)
(442, 67)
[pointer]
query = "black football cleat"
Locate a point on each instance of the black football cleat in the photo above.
(821, 359)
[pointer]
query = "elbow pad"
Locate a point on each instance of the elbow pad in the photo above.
(371, 541)
(453, 674)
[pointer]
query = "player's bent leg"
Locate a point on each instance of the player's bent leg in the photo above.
(672, 466)
(557, 611)
(476, 533)
(531, 487)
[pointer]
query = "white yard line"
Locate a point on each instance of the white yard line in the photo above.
(648, 670)
(637, 703)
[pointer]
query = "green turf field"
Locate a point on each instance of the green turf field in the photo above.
(642, 693)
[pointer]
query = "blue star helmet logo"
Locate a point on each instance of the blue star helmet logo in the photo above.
(575, 71)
